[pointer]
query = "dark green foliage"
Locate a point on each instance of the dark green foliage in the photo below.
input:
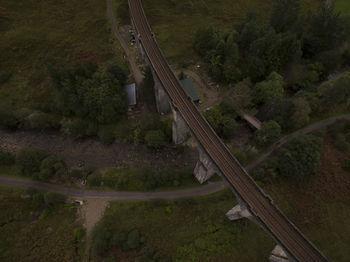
(335, 92)
(8, 119)
(346, 56)
(270, 90)
(100, 239)
(155, 138)
(324, 31)
(76, 174)
(75, 128)
(40, 120)
(330, 60)
(117, 72)
(222, 120)
(134, 240)
(90, 92)
(50, 167)
(339, 127)
(52, 198)
(6, 158)
(281, 112)
(106, 135)
(118, 239)
(270, 132)
(267, 171)
(94, 180)
(284, 15)
(300, 157)
(29, 161)
(4, 77)
(306, 79)
(345, 164)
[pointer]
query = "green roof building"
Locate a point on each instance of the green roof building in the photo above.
(188, 86)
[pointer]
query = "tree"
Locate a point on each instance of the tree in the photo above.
(29, 160)
(269, 90)
(94, 180)
(155, 138)
(301, 113)
(270, 132)
(51, 166)
(134, 239)
(8, 119)
(301, 156)
(284, 15)
(239, 96)
(205, 40)
(106, 135)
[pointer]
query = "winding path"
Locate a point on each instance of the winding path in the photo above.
(191, 192)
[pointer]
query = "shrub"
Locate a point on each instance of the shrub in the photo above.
(118, 239)
(29, 160)
(301, 156)
(8, 119)
(270, 132)
(94, 180)
(155, 138)
(6, 158)
(106, 135)
(110, 178)
(39, 120)
(76, 174)
(51, 166)
(100, 239)
(52, 198)
(134, 239)
(75, 128)
(346, 164)
(4, 77)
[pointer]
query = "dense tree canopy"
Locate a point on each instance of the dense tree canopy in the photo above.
(91, 92)
(301, 156)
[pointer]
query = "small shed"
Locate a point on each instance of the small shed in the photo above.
(188, 86)
(131, 94)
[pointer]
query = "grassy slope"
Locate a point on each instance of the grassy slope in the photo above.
(319, 206)
(176, 22)
(196, 231)
(26, 237)
(343, 6)
(35, 32)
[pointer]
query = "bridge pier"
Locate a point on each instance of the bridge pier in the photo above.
(239, 211)
(180, 129)
(162, 98)
(279, 255)
(205, 167)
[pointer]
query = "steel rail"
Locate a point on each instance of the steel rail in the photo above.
(260, 205)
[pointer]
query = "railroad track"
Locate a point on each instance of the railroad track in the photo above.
(260, 205)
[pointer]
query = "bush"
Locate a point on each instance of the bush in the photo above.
(301, 156)
(39, 120)
(94, 180)
(6, 158)
(76, 174)
(110, 178)
(29, 161)
(8, 119)
(106, 135)
(75, 128)
(155, 138)
(4, 77)
(52, 198)
(134, 239)
(100, 239)
(118, 239)
(270, 132)
(341, 143)
(51, 166)
(346, 164)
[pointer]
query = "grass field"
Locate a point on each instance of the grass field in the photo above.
(37, 32)
(197, 230)
(28, 233)
(176, 22)
(343, 6)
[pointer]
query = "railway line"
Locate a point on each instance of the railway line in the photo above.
(259, 204)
